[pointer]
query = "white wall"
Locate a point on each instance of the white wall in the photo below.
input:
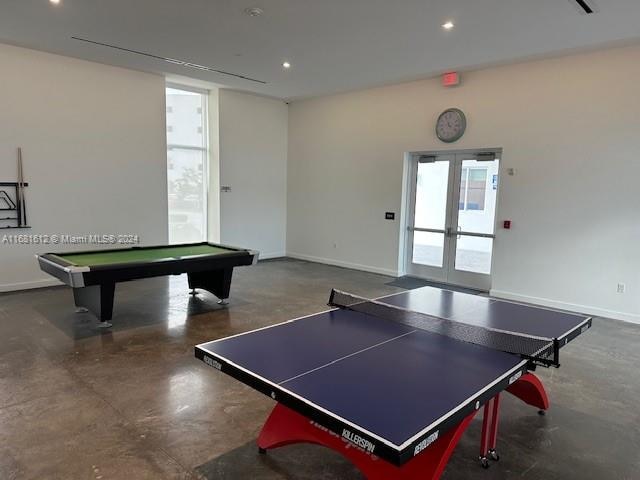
(571, 128)
(253, 162)
(94, 144)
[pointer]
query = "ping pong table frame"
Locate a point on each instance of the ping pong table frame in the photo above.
(287, 427)
(424, 456)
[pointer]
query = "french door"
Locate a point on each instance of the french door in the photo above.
(451, 221)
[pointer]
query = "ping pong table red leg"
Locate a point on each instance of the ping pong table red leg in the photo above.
(286, 427)
(489, 437)
(493, 438)
(484, 434)
(530, 390)
(527, 388)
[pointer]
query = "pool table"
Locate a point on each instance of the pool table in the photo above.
(93, 274)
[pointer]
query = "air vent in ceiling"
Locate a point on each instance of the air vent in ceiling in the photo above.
(586, 7)
(169, 60)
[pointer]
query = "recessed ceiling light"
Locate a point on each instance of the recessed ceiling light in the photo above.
(448, 25)
(286, 65)
(55, 2)
(253, 11)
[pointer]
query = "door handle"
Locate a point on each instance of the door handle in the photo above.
(450, 232)
(453, 233)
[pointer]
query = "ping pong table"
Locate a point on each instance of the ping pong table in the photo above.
(392, 398)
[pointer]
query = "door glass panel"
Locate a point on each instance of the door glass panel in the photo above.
(473, 254)
(431, 195)
(478, 195)
(428, 248)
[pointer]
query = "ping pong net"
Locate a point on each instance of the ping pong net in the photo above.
(540, 350)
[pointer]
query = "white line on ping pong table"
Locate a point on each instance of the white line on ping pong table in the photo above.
(348, 356)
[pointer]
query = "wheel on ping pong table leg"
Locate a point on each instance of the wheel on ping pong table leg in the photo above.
(484, 461)
(494, 455)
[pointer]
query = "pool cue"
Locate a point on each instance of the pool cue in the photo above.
(23, 214)
(19, 205)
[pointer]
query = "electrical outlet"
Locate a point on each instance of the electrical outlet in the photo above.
(621, 288)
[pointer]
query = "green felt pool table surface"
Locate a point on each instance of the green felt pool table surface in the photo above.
(136, 255)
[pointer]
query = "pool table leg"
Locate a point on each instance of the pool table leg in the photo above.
(217, 282)
(98, 299)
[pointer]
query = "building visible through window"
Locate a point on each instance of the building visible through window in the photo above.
(473, 188)
(187, 165)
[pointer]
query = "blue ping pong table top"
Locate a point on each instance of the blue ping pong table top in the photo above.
(387, 383)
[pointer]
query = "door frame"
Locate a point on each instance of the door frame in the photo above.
(463, 279)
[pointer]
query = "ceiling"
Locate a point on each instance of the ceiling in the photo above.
(333, 45)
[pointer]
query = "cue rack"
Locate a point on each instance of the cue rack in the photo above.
(13, 205)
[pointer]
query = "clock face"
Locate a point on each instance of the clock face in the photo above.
(451, 125)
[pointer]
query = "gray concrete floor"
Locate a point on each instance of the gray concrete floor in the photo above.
(133, 403)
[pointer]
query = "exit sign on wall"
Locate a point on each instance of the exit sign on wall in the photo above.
(451, 79)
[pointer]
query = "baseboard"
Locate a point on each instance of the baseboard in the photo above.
(269, 256)
(586, 309)
(339, 263)
(13, 287)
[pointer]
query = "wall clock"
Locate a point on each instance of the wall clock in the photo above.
(451, 125)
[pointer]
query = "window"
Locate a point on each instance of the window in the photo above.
(187, 165)
(473, 189)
